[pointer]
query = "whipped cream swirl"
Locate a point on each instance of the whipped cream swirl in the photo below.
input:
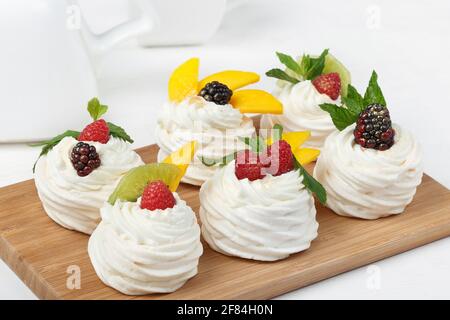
(301, 112)
(216, 128)
(73, 201)
(266, 219)
(368, 183)
(137, 251)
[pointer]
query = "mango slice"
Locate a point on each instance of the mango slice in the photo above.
(231, 78)
(295, 139)
(181, 158)
(256, 101)
(184, 80)
(306, 155)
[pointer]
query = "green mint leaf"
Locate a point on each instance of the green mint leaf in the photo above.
(96, 109)
(316, 66)
(305, 65)
(341, 116)
(354, 101)
(118, 132)
(277, 132)
(220, 161)
(289, 62)
(312, 184)
(280, 74)
(50, 144)
(373, 92)
(256, 144)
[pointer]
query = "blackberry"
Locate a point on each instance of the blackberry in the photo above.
(84, 158)
(216, 92)
(374, 128)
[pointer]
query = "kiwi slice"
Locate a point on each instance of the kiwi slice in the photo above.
(132, 184)
(334, 65)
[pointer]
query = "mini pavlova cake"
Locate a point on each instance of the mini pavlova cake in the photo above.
(210, 111)
(370, 169)
(77, 171)
(305, 85)
(148, 240)
(260, 205)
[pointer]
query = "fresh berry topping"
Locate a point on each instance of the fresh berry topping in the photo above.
(216, 92)
(281, 158)
(157, 196)
(249, 165)
(84, 158)
(374, 128)
(329, 84)
(96, 131)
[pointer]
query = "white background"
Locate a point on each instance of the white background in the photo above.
(406, 42)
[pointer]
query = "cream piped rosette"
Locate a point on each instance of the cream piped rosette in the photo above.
(367, 183)
(217, 127)
(74, 201)
(301, 112)
(265, 219)
(137, 251)
(140, 251)
(301, 99)
(371, 173)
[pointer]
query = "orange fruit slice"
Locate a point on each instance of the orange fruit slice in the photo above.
(184, 80)
(181, 158)
(231, 78)
(256, 101)
(306, 155)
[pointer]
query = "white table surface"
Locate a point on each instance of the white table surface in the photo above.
(408, 44)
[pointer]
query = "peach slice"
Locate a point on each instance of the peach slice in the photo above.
(256, 101)
(184, 80)
(181, 158)
(231, 78)
(306, 155)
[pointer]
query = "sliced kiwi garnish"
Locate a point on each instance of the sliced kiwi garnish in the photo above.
(334, 65)
(132, 184)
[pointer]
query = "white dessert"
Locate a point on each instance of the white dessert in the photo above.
(73, 201)
(266, 219)
(301, 112)
(368, 183)
(137, 251)
(216, 128)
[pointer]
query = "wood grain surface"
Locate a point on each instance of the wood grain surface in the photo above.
(41, 252)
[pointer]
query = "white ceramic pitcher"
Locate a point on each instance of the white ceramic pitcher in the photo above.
(46, 73)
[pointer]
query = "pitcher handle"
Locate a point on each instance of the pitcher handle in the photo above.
(98, 44)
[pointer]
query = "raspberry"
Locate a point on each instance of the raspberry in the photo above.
(96, 131)
(281, 158)
(216, 92)
(157, 196)
(249, 165)
(374, 128)
(329, 84)
(84, 158)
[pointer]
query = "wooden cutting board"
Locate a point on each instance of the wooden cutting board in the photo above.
(42, 253)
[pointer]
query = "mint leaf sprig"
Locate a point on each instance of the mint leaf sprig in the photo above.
(96, 111)
(311, 184)
(50, 144)
(353, 104)
(118, 132)
(308, 69)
